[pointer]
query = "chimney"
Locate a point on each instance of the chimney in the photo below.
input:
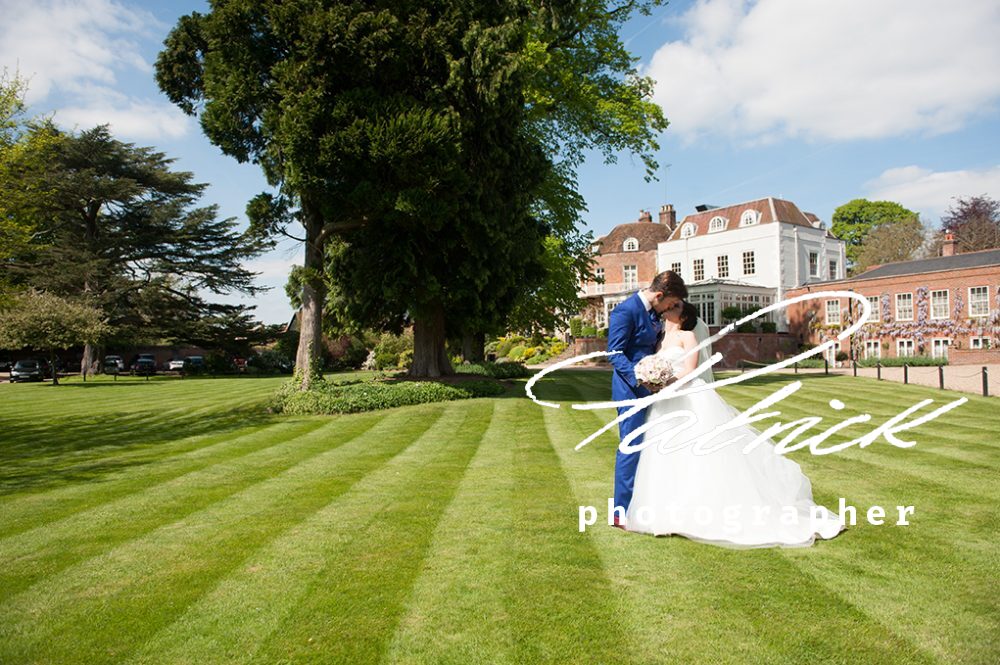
(644, 216)
(668, 216)
(948, 248)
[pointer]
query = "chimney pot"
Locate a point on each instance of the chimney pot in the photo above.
(668, 216)
(950, 244)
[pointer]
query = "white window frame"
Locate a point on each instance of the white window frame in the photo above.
(749, 217)
(675, 267)
(873, 348)
(630, 245)
(599, 274)
(688, 230)
(985, 301)
(876, 308)
(717, 224)
(834, 266)
(833, 312)
(630, 283)
(911, 350)
(813, 264)
(752, 262)
(722, 265)
(898, 298)
(698, 266)
(979, 343)
(937, 346)
(947, 303)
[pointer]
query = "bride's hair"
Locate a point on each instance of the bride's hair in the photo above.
(689, 316)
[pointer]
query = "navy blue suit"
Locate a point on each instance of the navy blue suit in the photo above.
(634, 331)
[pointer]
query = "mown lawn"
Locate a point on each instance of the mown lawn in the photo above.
(176, 522)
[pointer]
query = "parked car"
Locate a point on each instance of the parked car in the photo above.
(29, 370)
(144, 367)
(194, 364)
(176, 365)
(113, 364)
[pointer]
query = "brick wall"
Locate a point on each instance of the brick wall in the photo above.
(974, 356)
(955, 327)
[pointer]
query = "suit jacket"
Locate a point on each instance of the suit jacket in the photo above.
(632, 331)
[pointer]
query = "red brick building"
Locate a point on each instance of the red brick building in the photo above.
(626, 261)
(943, 306)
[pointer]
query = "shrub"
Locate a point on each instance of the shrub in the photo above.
(769, 327)
(517, 352)
(731, 313)
(842, 356)
(603, 333)
(503, 347)
(588, 331)
(912, 361)
(405, 359)
(331, 398)
(529, 352)
(505, 370)
(747, 327)
(812, 363)
(576, 326)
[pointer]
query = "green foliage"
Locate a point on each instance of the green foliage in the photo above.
(576, 326)
(588, 331)
(732, 313)
(853, 221)
(912, 361)
(505, 370)
(891, 242)
(517, 352)
(46, 321)
(331, 398)
(768, 327)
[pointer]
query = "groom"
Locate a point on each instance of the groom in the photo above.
(633, 331)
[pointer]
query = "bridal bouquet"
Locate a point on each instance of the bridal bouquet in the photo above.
(654, 370)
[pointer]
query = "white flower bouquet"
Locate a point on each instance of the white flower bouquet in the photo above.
(654, 369)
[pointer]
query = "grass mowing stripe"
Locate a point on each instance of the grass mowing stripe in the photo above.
(99, 610)
(332, 588)
(457, 611)
(50, 548)
(563, 605)
(165, 462)
(699, 603)
(925, 578)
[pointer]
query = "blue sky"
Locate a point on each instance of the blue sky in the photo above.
(815, 101)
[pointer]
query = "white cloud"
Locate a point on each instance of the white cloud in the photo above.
(271, 268)
(818, 69)
(75, 51)
(932, 192)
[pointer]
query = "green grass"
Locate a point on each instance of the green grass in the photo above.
(176, 522)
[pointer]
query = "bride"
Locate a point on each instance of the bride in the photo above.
(723, 497)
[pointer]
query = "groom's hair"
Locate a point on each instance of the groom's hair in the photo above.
(669, 283)
(689, 316)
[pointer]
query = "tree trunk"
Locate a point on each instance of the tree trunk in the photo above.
(472, 347)
(429, 357)
(87, 364)
(52, 367)
(313, 298)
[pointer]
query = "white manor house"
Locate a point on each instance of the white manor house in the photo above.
(745, 255)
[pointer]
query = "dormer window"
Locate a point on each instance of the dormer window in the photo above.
(749, 218)
(687, 230)
(630, 245)
(716, 224)
(595, 248)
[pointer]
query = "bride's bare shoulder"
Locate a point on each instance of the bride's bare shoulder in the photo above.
(687, 338)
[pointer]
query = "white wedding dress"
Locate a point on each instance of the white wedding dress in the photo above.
(723, 497)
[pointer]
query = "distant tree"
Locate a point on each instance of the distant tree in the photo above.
(120, 230)
(853, 221)
(50, 323)
(887, 243)
(975, 223)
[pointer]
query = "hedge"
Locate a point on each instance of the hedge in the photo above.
(330, 398)
(507, 370)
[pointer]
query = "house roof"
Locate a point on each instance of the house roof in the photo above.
(988, 257)
(769, 210)
(649, 235)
